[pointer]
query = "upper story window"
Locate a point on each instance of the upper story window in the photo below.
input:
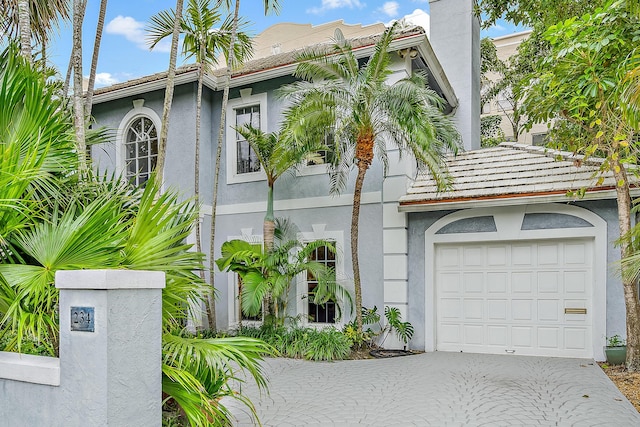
(137, 143)
(242, 163)
(246, 159)
(141, 150)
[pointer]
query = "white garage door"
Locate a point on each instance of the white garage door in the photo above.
(525, 298)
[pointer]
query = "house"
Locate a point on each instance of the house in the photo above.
(502, 105)
(503, 263)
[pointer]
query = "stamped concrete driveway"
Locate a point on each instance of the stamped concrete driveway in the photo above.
(439, 389)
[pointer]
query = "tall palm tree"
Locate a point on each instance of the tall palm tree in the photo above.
(78, 95)
(24, 23)
(94, 58)
(277, 154)
(168, 94)
(203, 41)
(364, 113)
(47, 223)
(269, 6)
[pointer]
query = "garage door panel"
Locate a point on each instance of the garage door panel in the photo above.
(522, 282)
(549, 310)
(575, 282)
(473, 282)
(514, 298)
(497, 282)
(549, 338)
(548, 282)
(497, 309)
(473, 309)
(450, 283)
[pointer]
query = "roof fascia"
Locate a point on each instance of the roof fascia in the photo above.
(150, 86)
(511, 201)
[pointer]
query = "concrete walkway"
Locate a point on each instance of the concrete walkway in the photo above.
(438, 389)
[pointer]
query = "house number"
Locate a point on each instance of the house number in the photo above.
(82, 319)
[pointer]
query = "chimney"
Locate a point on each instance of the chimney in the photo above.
(455, 38)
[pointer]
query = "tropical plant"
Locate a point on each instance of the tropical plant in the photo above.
(302, 342)
(51, 221)
(276, 155)
(376, 334)
(203, 41)
(364, 113)
(267, 275)
(582, 81)
(269, 6)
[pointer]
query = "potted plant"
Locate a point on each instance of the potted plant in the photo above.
(616, 350)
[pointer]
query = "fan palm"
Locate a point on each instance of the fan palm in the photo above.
(52, 222)
(364, 113)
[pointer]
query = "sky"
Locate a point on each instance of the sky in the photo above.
(124, 54)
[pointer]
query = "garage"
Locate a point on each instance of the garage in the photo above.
(516, 297)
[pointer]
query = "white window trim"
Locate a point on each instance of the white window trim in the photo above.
(233, 302)
(138, 111)
(302, 308)
(233, 104)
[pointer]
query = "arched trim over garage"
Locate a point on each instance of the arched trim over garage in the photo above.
(509, 225)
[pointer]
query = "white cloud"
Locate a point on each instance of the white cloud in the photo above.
(497, 27)
(133, 31)
(335, 4)
(390, 8)
(105, 79)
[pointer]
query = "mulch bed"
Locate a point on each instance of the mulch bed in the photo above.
(627, 382)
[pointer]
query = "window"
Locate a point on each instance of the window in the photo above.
(137, 143)
(246, 159)
(141, 150)
(321, 313)
(539, 138)
(242, 162)
(323, 156)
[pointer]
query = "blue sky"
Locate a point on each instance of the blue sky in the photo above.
(124, 54)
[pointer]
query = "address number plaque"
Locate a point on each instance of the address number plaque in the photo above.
(82, 319)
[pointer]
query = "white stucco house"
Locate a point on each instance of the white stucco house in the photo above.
(502, 263)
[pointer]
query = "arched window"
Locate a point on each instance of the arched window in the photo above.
(140, 149)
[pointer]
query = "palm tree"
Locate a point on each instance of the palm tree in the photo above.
(267, 274)
(78, 99)
(24, 23)
(47, 223)
(364, 112)
(202, 41)
(277, 154)
(94, 59)
(269, 6)
(168, 94)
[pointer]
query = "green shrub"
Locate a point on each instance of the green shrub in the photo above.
(302, 342)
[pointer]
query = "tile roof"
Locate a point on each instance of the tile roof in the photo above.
(260, 64)
(509, 174)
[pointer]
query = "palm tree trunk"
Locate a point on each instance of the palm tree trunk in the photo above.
(269, 225)
(78, 100)
(629, 286)
(216, 174)
(355, 217)
(168, 97)
(24, 25)
(94, 58)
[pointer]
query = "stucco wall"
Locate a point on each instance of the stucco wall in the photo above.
(108, 377)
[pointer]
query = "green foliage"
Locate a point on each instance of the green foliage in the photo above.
(268, 275)
(302, 342)
(379, 331)
(51, 221)
(530, 13)
(491, 133)
(615, 341)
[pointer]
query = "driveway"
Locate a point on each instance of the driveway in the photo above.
(438, 389)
